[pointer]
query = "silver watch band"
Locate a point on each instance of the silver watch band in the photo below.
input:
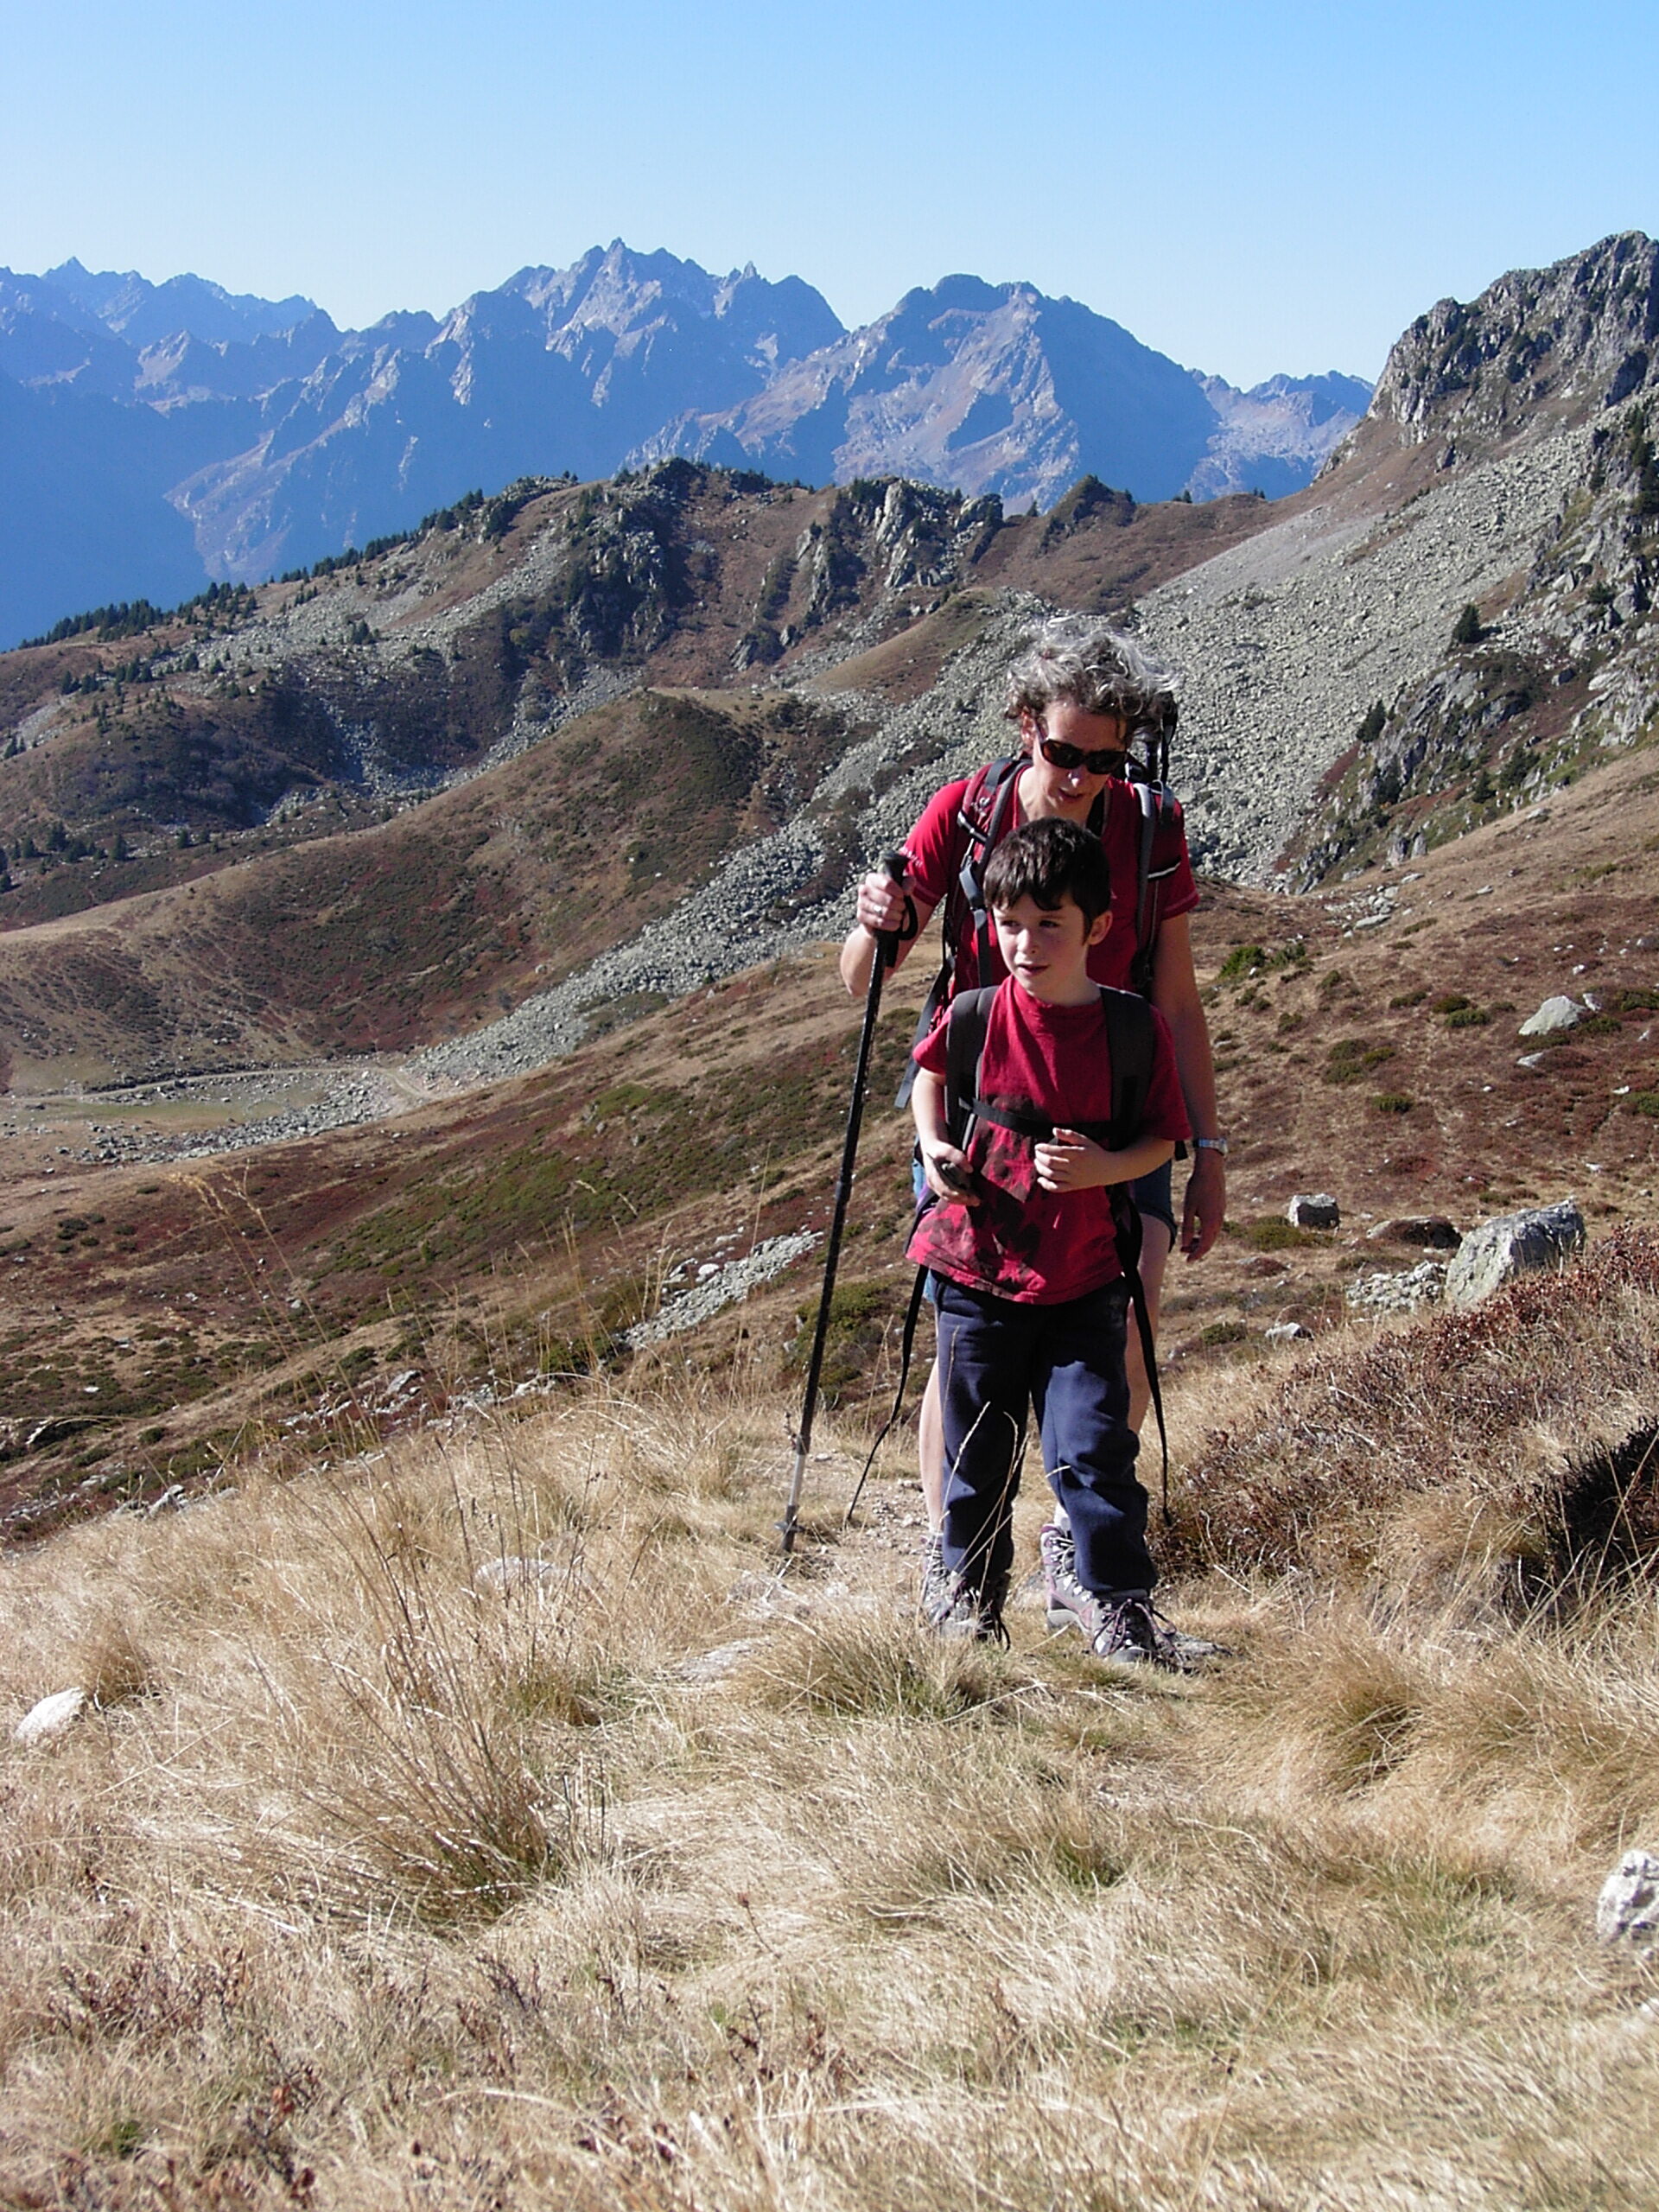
(1211, 1144)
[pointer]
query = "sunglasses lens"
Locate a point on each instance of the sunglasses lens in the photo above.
(1058, 754)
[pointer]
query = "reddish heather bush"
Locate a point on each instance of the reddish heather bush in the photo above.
(1499, 1409)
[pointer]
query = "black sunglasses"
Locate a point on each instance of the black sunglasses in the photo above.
(1109, 761)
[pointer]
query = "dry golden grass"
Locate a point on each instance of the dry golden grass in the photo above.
(389, 1872)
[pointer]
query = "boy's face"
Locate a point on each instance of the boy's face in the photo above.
(1045, 949)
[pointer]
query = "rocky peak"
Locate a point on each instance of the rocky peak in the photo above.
(1569, 339)
(143, 313)
(615, 290)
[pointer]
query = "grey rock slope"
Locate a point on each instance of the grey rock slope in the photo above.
(1549, 381)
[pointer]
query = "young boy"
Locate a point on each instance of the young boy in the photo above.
(1021, 1244)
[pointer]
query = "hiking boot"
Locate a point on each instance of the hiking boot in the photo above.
(1131, 1633)
(961, 1612)
(1067, 1603)
(936, 1578)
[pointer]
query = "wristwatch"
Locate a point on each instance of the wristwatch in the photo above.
(1211, 1144)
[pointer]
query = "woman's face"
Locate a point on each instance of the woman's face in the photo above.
(1047, 787)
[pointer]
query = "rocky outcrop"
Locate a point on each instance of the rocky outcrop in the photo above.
(1575, 338)
(1510, 1245)
(1428, 645)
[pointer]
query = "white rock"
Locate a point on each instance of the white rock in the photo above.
(510, 1572)
(1512, 1244)
(1627, 1912)
(715, 1666)
(1554, 1014)
(1285, 1332)
(1317, 1210)
(51, 1716)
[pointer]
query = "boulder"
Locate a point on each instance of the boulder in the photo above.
(1554, 1014)
(1432, 1231)
(1317, 1212)
(1512, 1244)
(1285, 1332)
(51, 1716)
(1627, 1912)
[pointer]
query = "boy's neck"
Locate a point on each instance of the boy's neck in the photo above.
(1058, 990)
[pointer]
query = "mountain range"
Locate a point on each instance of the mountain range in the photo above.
(157, 437)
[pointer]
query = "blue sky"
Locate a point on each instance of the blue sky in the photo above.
(1248, 188)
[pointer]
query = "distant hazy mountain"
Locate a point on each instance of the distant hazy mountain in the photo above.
(153, 437)
(995, 388)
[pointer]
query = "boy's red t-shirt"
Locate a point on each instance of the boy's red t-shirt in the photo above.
(1037, 1247)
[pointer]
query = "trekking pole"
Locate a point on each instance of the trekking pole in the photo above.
(887, 954)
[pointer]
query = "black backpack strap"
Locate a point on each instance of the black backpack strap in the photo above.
(986, 829)
(938, 991)
(964, 1042)
(1126, 1220)
(982, 819)
(1131, 1037)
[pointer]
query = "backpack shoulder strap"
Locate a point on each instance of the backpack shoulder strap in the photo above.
(987, 806)
(964, 1042)
(982, 821)
(1130, 1037)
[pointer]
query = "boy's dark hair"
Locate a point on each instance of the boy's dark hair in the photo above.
(1049, 861)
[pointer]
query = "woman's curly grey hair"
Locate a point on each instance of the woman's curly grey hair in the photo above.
(1090, 666)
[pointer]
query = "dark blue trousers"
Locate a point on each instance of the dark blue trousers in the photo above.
(998, 1360)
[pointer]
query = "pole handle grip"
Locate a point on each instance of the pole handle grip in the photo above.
(888, 942)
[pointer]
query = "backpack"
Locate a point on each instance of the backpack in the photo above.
(984, 816)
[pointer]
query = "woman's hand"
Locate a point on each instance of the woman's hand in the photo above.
(881, 902)
(1206, 1203)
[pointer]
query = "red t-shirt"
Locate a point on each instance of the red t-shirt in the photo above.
(939, 845)
(1037, 1247)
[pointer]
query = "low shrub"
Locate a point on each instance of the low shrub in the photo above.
(1351, 1056)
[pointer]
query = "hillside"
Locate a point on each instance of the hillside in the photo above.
(424, 1074)
(171, 1307)
(355, 811)
(1333, 666)
(493, 821)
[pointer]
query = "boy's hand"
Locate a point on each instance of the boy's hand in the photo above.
(1071, 1162)
(948, 1174)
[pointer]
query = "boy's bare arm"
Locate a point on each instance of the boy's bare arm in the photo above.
(945, 1166)
(1071, 1162)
